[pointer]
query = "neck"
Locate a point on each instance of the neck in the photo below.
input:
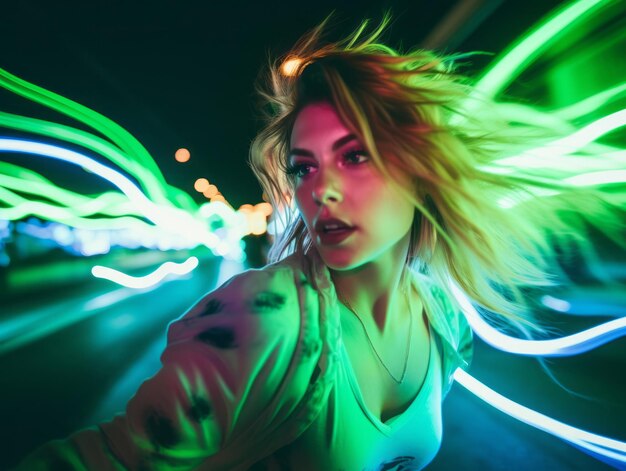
(377, 291)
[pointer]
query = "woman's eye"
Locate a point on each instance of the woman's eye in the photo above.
(351, 157)
(356, 156)
(299, 170)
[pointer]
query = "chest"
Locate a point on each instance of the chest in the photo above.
(383, 396)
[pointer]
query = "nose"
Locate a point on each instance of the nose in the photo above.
(326, 189)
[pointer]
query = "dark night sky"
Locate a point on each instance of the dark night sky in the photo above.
(181, 74)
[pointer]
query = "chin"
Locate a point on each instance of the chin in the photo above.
(338, 261)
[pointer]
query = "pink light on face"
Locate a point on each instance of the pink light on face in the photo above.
(337, 185)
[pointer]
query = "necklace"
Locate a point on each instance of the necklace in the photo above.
(408, 341)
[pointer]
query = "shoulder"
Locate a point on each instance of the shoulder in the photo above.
(450, 326)
(447, 319)
(253, 302)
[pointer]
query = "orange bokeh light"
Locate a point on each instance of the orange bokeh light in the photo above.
(264, 208)
(182, 155)
(201, 185)
(210, 192)
(290, 66)
(219, 197)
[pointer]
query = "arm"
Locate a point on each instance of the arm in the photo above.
(237, 366)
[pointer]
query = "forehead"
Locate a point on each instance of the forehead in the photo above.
(316, 125)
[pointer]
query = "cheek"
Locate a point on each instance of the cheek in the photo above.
(303, 203)
(298, 197)
(394, 209)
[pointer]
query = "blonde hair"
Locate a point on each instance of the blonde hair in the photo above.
(410, 111)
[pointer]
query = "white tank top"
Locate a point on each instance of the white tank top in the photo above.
(347, 436)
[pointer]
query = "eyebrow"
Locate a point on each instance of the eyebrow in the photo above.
(336, 145)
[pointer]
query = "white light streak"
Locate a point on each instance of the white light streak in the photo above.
(614, 449)
(552, 153)
(167, 216)
(598, 178)
(563, 346)
(589, 133)
(140, 282)
(590, 104)
(557, 304)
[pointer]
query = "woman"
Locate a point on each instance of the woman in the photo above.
(338, 354)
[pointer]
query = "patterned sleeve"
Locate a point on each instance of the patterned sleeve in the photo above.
(236, 366)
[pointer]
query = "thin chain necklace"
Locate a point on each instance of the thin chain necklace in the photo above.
(408, 341)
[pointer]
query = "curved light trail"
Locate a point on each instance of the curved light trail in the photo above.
(564, 346)
(599, 444)
(147, 281)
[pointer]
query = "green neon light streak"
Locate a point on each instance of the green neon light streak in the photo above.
(523, 52)
(588, 134)
(118, 135)
(156, 190)
(552, 154)
(590, 104)
(167, 202)
(110, 203)
(190, 229)
(535, 118)
(21, 208)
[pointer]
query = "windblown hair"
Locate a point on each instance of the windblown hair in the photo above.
(480, 224)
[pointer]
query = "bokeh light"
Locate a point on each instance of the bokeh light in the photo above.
(290, 66)
(264, 208)
(182, 155)
(218, 197)
(201, 185)
(210, 192)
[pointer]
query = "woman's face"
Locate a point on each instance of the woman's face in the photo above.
(335, 179)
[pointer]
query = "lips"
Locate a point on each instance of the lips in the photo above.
(332, 231)
(331, 224)
(336, 236)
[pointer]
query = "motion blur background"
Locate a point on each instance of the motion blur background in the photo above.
(74, 347)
